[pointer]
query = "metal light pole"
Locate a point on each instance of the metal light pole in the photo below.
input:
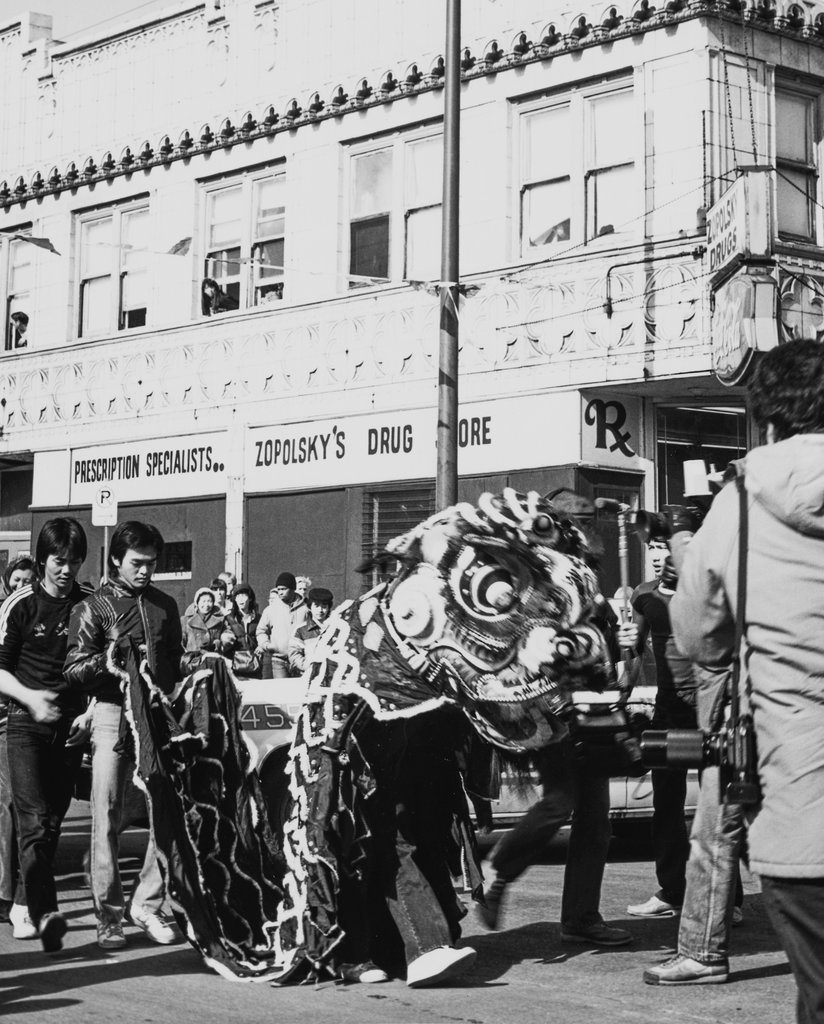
(446, 480)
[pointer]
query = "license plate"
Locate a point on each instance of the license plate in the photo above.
(259, 717)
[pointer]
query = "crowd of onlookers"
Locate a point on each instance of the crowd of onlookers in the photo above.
(272, 643)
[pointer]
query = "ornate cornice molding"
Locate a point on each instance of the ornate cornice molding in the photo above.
(556, 40)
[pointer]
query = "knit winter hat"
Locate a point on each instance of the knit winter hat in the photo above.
(286, 579)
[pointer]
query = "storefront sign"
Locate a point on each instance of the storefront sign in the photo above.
(738, 225)
(744, 321)
(507, 434)
(177, 467)
(610, 429)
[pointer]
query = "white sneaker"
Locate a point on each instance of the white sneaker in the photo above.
(157, 926)
(22, 926)
(654, 907)
(438, 965)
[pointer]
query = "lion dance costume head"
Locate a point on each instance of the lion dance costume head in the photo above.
(500, 595)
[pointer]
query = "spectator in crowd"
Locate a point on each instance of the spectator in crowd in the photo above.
(45, 722)
(229, 579)
(244, 617)
(302, 586)
(243, 621)
(220, 592)
(19, 573)
(207, 629)
(303, 639)
(783, 642)
(126, 607)
(275, 628)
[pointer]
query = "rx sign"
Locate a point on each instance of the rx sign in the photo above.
(104, 507)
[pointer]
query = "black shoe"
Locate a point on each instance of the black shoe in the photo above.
(52, 929)
(489, 911)
(5, 907)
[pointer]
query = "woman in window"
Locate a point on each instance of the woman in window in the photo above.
(206, 630)
(213, 299)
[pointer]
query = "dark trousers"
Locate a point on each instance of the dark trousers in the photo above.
(568, 792)
(670, 837)
(42, 772)
(410, 819)
(795, 907)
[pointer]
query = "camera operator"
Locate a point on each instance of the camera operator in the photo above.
(784, 643)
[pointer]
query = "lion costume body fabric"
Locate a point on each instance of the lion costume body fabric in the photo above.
(489, 619)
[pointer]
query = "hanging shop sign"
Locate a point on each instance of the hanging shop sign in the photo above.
(744, 321)
(507, 434)
(739, 225)
(177, 467)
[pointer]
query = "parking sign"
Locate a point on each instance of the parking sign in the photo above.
(104, 507)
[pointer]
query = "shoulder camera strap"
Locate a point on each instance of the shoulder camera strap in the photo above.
(741, 610)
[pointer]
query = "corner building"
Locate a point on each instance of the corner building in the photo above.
(290, 152)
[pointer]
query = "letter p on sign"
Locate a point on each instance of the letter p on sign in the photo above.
(104, 507)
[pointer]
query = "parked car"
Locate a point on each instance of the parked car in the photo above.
(270, 707)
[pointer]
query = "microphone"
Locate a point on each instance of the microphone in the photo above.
(611, 505)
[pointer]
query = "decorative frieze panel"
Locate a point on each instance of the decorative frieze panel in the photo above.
(802, 303)
(377, 340)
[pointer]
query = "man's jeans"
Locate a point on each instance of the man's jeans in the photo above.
(718, 833)
(110, 773)
(567, 791)
(42, 771)
(8, 829)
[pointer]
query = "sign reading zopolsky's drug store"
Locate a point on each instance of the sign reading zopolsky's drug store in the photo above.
(175, 467)
(507, 434)
(739, 224)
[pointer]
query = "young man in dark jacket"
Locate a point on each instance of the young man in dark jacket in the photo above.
(303, 639)
(45, 722)
(127, 606)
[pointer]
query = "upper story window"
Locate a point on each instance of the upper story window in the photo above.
(796, 164)
(578, 174)
(394, 211)
(17, 257)
(245, 243)
(114, 279)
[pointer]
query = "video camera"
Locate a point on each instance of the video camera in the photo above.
(731, 749)
(671, 519)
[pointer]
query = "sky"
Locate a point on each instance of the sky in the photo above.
(72, 16)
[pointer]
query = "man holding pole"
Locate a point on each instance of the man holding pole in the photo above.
(569, 791)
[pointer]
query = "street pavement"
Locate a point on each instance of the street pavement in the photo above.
(523, 973)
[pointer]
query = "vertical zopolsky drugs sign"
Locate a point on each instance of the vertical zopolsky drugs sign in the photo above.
(738, 225)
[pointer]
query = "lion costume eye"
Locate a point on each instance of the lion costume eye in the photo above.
(484, 586)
